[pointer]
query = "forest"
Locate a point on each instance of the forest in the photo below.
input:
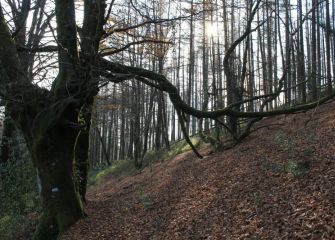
(111, 111)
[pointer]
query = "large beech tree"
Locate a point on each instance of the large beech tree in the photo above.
(49, 119)
(55, 122)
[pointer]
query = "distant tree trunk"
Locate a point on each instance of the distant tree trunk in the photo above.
(263, 59)
(333, 21)
(251, 81)
(165, 124)
(159, 123)
(328, 51)
(190, 66)
(204, 69)
(269, 28)
(147, 122)
(314, 49)
(122, 127)
(318, 49)
(301, 56)
(130, 153)
(231, 79)
(137, 128)
(103, 147)
(115, 156)
(288, 80)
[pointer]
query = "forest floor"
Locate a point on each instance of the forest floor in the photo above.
(278, 184)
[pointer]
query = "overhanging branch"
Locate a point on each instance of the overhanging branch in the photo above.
(163, 84)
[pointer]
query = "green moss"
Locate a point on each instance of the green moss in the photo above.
(18, 188)
(96, 176)
(4, 222)
(15, 226)
(175, 149)
(123, 167)
(195, 141)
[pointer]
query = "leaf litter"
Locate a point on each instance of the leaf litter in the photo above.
(277, 184)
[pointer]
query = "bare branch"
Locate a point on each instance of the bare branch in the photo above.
(106, 52)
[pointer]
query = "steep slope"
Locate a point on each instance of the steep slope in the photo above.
(277, 184)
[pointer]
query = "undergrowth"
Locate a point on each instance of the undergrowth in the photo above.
(291, 166)
(124, 167)
(19, 199)
(97, 175)
(167, 153)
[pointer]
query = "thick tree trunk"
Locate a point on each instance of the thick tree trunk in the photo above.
(50, 139)
(50, 131)
(53, 156)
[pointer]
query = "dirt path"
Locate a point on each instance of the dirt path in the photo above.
(278, 184)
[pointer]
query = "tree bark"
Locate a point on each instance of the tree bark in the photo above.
(53, 157)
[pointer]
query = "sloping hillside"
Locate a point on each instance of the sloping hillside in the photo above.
(277, 184)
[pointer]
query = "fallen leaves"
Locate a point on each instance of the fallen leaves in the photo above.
(243, 193)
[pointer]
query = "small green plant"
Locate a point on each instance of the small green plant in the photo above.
(274, 167)
(118, 218)
(284, 141)
(310, 139)
(309, 151)
(296, 169)
(145, 200)
(290, 167)
(287, 144)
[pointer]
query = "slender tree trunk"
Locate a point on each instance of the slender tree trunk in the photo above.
(288, 52)
(147, 122)
(204, 68)
(191, 66)
(137, 128)
(314, 54)
(328, 51)
(301, 56)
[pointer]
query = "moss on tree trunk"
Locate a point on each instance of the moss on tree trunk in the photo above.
(81, 148)
(7, 135)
